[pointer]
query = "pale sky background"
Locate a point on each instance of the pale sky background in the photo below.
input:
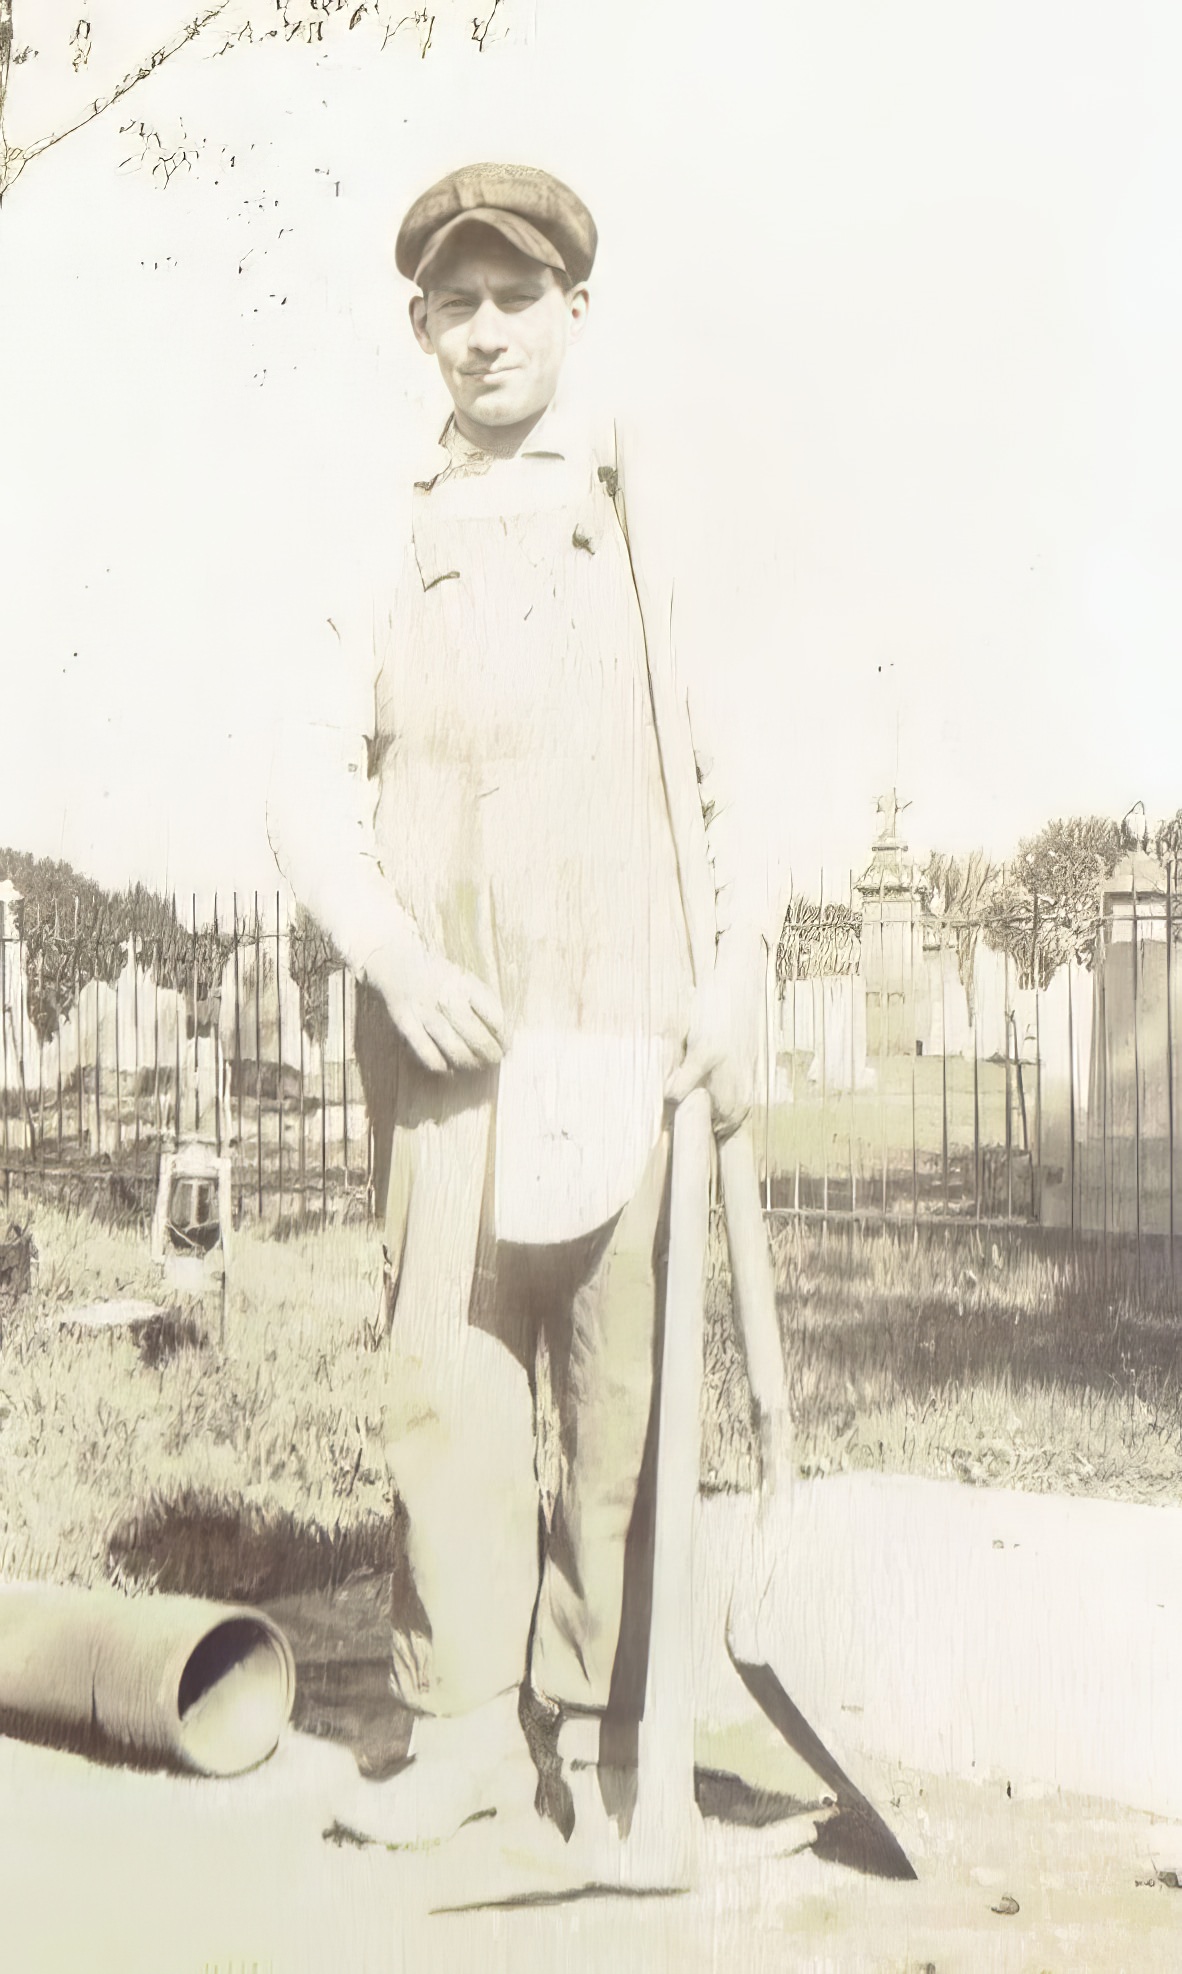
(896, 287)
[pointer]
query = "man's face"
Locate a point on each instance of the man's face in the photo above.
(500, 325)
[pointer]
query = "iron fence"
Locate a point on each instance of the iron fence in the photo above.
(911, 1070)
(254, 1054)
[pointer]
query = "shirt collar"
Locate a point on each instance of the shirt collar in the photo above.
(558, 434)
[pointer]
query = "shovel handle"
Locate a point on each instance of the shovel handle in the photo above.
(665, 1778)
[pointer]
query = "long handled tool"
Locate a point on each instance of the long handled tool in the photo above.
(665, 1819)
(664, 1827)
(662, 1830)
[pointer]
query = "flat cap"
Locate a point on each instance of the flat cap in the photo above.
(536, 213)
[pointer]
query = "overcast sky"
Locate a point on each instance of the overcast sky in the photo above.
(894, 290)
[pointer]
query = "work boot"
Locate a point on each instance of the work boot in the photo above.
(583, 1834)
(459, 1770)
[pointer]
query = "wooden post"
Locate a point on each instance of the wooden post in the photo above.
(662, 1832)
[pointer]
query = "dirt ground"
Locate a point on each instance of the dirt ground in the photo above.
(116, 1872)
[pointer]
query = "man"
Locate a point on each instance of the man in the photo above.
(548, 898)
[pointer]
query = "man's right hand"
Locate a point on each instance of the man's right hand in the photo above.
(448, 1018)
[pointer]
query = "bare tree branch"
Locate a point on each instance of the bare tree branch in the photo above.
(14, 160)
(5, 59)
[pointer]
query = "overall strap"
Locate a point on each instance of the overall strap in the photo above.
(701, 958)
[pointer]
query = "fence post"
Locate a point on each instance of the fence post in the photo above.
(135, 1054)
(976, 1089)
(324, 1099)
(237, 1050)
(156, 1053)
(60, 1100)
(258, 1049)
(279, 1046)
(794, 947)
(824, 1056)
(215, 1004)
(769, 1073)
(1171, 871)
(345, 1077)
(852, 976)
(118, 1075)
(1008, 1025)
(943, 1079)
(914, 1039)
(40, 1056)
(884, 1002)
(196, 1037)
(78, 1028)
(1136, 1070)
(1071, 1124)
(303, 1156)
(98, 1067)
(20, 1039)
(1105, 1121)
(4, 1042)
(1035, 973)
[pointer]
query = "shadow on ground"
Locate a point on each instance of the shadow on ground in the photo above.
(332, 1593)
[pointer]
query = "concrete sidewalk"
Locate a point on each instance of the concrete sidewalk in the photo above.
(964, 1632)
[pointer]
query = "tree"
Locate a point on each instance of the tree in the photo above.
(72, 931)
(1046, 910)
(1167, 841)
(81, 55)
(959, 891)
(816, 940)
(312, 960)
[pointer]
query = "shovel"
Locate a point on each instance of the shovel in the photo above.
(664, 1829)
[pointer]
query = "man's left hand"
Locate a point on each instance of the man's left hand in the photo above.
(710, 1063)
(723, 1037)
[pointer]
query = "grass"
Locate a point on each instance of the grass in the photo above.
(954, 1357)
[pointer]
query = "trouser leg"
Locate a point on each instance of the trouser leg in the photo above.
(599, 1299)
(459, 1420)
